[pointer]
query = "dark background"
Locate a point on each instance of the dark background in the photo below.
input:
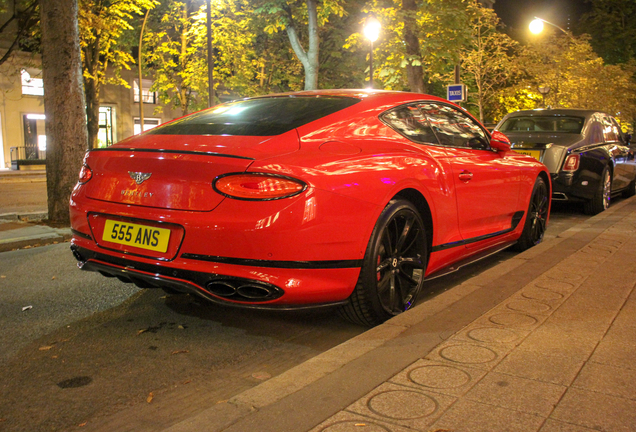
(518, 13)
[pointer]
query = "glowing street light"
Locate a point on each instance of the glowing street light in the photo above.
(536, 26)
(372, 29)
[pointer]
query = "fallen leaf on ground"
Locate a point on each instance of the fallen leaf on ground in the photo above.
(45, 348)
(180, 352)
(149, 398)
(82, 424)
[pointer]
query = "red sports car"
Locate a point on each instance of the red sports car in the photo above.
(333, 197)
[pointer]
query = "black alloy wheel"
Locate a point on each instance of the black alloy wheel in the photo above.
(537, 218)
(393, 269)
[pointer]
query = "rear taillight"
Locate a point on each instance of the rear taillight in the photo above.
(85, 174)
(571, 163)
(258, 186)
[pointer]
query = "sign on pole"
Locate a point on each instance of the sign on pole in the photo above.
(456, 93)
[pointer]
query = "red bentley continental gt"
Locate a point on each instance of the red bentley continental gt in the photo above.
(333, 197)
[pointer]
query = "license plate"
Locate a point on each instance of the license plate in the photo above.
(139, 236)
(534, 153)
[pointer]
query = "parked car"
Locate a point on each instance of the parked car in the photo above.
(588, 155)
(331, 197)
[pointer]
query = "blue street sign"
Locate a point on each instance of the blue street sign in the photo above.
(456, 93)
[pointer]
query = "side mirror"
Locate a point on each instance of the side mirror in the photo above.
(500, 142)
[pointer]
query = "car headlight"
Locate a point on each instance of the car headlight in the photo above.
(257, 186)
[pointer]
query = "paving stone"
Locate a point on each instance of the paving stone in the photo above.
(565, 285)
(557, 426)
(537, 366)
(469, 416)
(348, 422)
(492, 335)
(519, 394)
(616, 351)
(596, 411)
(608, 379)
(480, 356)
(401, 405)
(556, 340)
(430, 376)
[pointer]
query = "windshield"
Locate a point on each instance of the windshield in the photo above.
(564, 124)
(256, 117)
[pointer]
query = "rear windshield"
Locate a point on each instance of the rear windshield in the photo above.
(571, 125)
(256, 117)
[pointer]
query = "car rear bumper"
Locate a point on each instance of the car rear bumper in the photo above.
(230, 284)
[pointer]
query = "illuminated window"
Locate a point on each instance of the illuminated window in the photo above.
(31, 86)
(148, 96)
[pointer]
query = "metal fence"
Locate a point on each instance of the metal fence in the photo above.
(24, 155)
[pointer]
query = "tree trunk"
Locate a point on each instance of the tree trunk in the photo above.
(414, 73)
(91, 90)
(63, 103)
(308, 58)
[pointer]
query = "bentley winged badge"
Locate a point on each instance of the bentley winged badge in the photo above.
(139, 177)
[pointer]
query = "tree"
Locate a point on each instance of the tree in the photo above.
(102, 23)
(578, 77)
(289, 16)
(20, 24)
(63, 103)
(486, 58)
(441, 27)
(177, 52)
(612, 25)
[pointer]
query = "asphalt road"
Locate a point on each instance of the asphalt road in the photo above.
(78, 350)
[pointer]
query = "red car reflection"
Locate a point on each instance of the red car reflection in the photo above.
(341, 197)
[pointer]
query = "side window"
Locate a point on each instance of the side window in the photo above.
(454, 128)
(409, 121)
(610, 130)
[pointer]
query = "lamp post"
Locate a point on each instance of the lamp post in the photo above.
(372, 32)
(210, 54)
(536, 26)
(544, 90)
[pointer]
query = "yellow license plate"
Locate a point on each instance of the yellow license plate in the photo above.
(139, 236)
(534, 153)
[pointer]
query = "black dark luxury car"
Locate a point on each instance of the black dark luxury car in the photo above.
(588, 155)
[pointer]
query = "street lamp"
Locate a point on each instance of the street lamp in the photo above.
(372, 32)
(536, 26)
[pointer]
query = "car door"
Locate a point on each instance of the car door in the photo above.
(623, 172)
(487, 184)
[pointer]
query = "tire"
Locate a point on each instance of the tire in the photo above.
(601, 199)
(393, 267)
(631, 190)
(537, 217)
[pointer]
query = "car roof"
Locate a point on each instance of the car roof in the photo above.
(542, 112)
(363, 94)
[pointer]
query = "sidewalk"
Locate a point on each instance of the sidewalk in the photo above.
(544, 342)
(20, 229)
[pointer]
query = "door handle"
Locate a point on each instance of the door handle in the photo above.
(465, 176)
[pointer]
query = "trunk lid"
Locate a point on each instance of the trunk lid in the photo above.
(175, 171)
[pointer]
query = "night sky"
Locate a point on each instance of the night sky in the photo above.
(519, 13)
